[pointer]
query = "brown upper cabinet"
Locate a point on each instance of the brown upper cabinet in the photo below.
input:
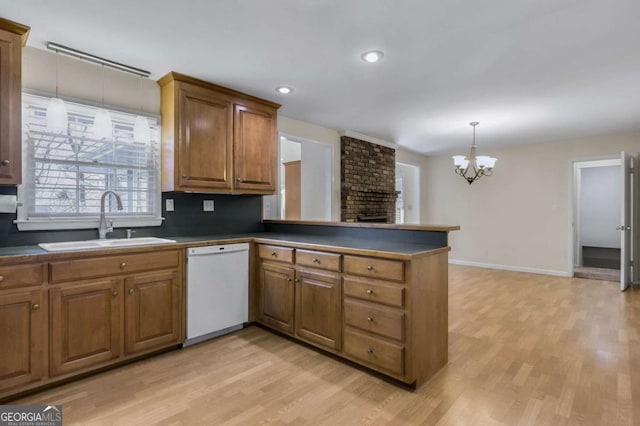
(12, 37)
(216, 140)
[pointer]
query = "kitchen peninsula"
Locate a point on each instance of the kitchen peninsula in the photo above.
(375, 294)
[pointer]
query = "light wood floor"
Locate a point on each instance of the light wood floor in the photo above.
(524, 350)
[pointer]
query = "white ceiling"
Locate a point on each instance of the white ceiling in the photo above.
(527, 70)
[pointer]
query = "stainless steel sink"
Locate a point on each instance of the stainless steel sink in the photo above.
(101, 244)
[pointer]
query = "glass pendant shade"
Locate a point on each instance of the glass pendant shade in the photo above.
(460, 161)
(141, 131)
(102, 125)
(57, 118)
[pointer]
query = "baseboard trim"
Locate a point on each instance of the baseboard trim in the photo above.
(511, 268)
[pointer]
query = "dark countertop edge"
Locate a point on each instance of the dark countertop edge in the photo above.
(440, 228)
(34, 253)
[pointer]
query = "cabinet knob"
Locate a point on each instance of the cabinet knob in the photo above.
(35, 306)
(369, 351)
(1, 278)
(370, 268)
(5, 162)
(274, 254)
(130, 291)
(369, 319)
(369, 291)
(115, 293)
(239, 179)
(123, 265)
(316, 260)
(289, 279)
(297, 280)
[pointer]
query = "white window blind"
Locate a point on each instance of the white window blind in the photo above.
(65, 175)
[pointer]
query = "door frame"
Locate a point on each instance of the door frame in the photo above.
(575, 167)
(416, 198)
(334, 169)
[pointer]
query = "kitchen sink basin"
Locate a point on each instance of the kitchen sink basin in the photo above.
(100, 244)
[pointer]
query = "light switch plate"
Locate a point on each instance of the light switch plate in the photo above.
(207, 205)
(168, 205)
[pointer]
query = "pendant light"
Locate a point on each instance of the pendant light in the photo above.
(141, 131)
(102, 124)
(57, 117)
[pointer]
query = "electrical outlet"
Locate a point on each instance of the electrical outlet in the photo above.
(267, 205)
(207, 205)
(168, 205)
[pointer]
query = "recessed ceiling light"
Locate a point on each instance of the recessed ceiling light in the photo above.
(285, 90)
(372, 56)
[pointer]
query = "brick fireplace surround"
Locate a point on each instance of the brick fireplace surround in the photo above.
(368, 174)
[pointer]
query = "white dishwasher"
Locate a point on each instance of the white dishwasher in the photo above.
(217, 290)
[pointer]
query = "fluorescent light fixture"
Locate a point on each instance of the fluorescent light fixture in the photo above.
(372, 56)
(96, 59)
(285, 90)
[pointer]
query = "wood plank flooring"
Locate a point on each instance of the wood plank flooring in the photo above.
(524, 349)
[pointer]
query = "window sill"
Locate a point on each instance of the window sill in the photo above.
(75, 223)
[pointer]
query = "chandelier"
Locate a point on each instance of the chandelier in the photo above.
(481, 165)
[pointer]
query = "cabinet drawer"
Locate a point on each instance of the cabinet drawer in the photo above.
(387, 322)
(374, 291)
(279, 254)
(318, 259)
(70, 270)
(374, 268)
(20, 275)
(376, 352)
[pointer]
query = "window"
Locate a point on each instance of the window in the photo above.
(65, 175)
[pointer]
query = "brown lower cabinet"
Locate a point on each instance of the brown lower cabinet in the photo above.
(385, 312)
(276, 296)
(83, 312)
(319, 308)
(152, 311)
(23, 331)
(85, 323)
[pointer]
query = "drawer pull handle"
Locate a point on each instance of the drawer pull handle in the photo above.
(369, 291)
(316, 260)
(123, 265)
(274, 254)
(370, 268)
(370, 351)
(130, 291)
(369, 319)
(35, 307)
(115, 293)
(1, 278)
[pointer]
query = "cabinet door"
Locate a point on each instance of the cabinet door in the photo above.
(255, 150)
(206, 140)
(22, 327)
(152, 304)
(276, 296)
(85, 325)
(10, 109)
(319, 308)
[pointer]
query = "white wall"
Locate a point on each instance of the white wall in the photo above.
(600, 206)
(315, 181)
(83, 80)
(519, 217)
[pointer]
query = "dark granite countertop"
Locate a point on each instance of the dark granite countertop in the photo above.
(331, 243)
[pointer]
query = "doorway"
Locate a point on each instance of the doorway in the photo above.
(408, 188)
(306, 176)
(597, 212)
